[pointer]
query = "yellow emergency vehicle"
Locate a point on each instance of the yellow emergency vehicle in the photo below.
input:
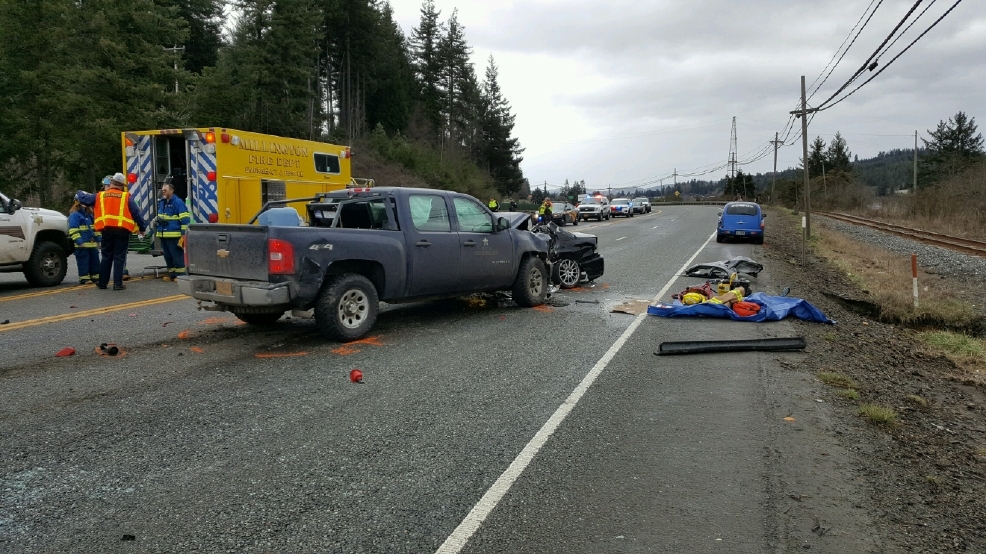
(226, 175)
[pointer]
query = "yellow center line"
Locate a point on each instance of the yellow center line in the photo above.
(56, 291)
(87, 313)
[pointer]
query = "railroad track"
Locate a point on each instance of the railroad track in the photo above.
(968, 246)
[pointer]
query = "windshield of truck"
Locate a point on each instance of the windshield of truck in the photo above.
(621, 201)
(429, 213)
(593, 200)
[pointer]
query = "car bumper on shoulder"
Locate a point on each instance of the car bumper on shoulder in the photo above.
(234, 292)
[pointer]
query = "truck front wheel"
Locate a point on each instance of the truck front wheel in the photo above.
(346, 308)
(47, 265)
(531, 284)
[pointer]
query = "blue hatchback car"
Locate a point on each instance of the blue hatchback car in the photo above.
(741, 220)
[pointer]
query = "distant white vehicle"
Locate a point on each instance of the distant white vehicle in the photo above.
(595, 207)
(35, 241)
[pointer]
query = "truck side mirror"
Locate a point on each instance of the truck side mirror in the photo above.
(15, 205)
(502, 224)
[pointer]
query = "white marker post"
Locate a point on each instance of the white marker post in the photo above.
(914, 274)
(804, 229)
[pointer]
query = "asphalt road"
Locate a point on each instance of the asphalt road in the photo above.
(480, 427)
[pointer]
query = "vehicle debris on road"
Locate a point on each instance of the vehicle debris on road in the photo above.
(746, 345)
(723, 269)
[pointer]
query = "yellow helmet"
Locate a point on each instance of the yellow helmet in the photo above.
(690, 298)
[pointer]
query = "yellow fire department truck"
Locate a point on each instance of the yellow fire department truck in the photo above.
(226, 175)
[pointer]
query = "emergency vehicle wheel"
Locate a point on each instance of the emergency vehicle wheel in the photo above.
(346, 309)
(47, 265)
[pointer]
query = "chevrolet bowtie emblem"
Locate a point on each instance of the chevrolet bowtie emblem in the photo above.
(222, 253)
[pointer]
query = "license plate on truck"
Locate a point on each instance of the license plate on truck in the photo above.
(224, 288)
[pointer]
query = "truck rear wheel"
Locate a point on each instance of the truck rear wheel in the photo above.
(346, 308)
(47, 265)
(531, 284)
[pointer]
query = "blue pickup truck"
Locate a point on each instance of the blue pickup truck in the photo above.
(385, 244)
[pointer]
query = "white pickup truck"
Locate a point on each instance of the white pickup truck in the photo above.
(35, 241)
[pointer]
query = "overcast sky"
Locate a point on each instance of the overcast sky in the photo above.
(625, 92)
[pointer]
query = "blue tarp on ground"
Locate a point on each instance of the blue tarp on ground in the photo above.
(772, 308)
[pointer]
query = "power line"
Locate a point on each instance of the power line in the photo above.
(847, 48)
(884, 68)
(867, 64)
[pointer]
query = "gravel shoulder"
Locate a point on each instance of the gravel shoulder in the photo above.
(925, 473)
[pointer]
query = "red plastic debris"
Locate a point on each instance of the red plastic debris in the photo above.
(67, 351)
(356, 376)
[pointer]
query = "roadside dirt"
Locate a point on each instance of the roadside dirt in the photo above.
(926, 472)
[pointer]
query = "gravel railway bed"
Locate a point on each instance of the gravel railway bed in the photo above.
(933, 259)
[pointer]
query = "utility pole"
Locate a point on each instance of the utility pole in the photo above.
(676, 178)
(609, 189)
(915, 163)
(824, 184)
(174, 50)
(773, 181)
(732, 151)
(803, 114)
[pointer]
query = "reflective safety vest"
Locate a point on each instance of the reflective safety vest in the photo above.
(173, 216)
(80, 228)
(113, 210)
(493, 205)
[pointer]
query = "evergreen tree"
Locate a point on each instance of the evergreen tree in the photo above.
(816, 157)
(265, 80)
(203, 19)
(425, 43)
(74, 75)
(837, 156)
(742, 184)
(954, 145)
(499, 152)
(458, 83)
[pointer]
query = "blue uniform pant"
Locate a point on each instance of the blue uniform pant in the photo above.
(116, 240)
(87, 259)
(174, 256)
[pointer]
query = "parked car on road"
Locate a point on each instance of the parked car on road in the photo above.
(595, 207)
(621, 206)
(389, 244)
(741, 220)
(35, 241)
(641, 205)
(564, 212)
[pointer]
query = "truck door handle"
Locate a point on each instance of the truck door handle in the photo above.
(422, 243)
(469, 243)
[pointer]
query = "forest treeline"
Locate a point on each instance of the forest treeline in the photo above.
(74, 74)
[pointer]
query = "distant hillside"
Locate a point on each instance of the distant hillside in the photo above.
(886, 172)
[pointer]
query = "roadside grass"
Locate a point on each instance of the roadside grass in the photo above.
(886, 277)
(849, 394)
(836, 379)
(878, 414)
(966, 352)
(917, 400)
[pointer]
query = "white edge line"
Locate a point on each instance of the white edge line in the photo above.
(621, 238)
(470, 524)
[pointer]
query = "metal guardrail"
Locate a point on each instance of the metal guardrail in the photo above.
(701, 203)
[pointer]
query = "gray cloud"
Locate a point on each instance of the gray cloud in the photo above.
(662, 80)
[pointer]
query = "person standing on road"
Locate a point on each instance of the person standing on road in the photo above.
(83, 233)
(117, 217)
(544, 212)
(513, 205)
(172, 224)
(493, 205)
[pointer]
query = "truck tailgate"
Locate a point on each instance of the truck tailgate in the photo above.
(231, 251)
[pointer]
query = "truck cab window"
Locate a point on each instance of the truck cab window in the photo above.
(472, 217)
(429, 213)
